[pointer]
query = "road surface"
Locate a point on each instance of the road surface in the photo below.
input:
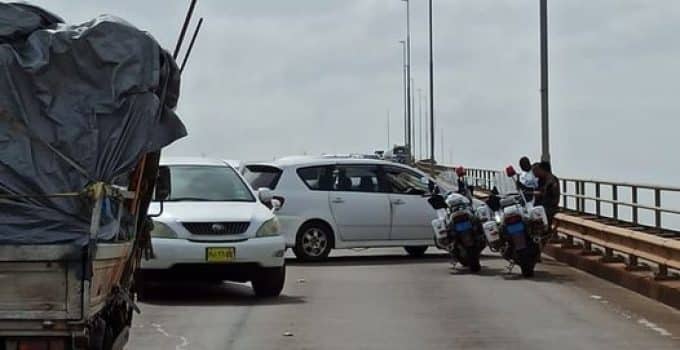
(381, 299)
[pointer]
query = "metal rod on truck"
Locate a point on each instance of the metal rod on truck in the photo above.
(191, 45)
(183, 32)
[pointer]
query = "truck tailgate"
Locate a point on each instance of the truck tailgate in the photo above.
(40, 282)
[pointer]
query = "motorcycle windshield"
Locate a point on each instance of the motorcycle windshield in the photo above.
(452, 180)
(504, 184)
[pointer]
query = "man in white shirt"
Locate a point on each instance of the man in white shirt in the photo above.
(527, 179)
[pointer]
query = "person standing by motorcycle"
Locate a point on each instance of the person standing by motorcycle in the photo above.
(527, 182)
(527, 177)
(548, 193)
(462, 186)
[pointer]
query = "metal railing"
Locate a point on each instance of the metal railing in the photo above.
(579, 193)
(640, 205)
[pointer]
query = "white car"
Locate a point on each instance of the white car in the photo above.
(214, 227)
(346, 203)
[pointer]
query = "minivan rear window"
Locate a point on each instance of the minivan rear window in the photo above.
(259, 176)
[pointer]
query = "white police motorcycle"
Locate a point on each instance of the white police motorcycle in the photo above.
(519, 228)
(458, 227)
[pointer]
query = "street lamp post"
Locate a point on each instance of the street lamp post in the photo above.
(545, 134)
(420, 123)
(388, 130)
(412, 126)
(408, 75)
(406, 107)
(431, 90)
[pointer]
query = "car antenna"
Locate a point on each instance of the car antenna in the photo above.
(191, 45)
(183, 32)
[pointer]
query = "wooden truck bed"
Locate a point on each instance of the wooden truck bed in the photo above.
(42, 289)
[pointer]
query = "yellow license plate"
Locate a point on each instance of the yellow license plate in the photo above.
(220, 254)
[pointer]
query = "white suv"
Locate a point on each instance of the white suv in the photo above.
(215, 227)
(346, 203)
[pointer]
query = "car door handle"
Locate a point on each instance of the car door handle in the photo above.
(338, 200)
(397, 202)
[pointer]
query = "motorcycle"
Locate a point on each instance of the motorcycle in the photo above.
(520, 228)
(458, 227)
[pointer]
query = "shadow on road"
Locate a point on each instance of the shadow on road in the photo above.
(539, 276)
(486, 271)
(387, 259)
(202, 294)
(364, 260)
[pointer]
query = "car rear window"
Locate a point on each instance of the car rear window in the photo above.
(259, 176)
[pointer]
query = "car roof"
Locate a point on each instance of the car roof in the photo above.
(297, 162)
(193, 161)
(233, 162)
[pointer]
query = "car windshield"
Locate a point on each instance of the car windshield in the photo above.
(405, 181)
(208, 183)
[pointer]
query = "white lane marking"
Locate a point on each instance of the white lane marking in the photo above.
(184, 341)
(641, 320)
(654, 327)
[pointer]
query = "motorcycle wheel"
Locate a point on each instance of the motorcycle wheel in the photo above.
(527, 259)
(475, 266)
(460, 254)
(468, 257)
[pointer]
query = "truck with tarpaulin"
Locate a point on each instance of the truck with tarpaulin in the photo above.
(85, 110)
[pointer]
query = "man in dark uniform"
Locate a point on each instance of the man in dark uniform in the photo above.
(548, 193)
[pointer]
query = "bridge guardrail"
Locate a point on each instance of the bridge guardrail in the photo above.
(664, 252)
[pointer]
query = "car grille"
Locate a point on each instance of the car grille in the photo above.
(216, 228)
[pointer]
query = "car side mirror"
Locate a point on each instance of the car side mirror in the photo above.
(276, 204)
(431, 185)
(163, 184)
(265, 195)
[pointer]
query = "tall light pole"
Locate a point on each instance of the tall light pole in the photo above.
(388, 130)
(431, 89)
(406, 107)
(408, 74)
(426, 136)
(420, 123)
(412, 126)
(545, 131)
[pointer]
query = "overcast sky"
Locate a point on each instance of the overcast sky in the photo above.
(270, 78)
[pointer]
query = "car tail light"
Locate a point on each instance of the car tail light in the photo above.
(41, 344)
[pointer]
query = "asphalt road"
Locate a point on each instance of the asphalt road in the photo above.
(380, 299)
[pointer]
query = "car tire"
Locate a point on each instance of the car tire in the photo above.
(269, 281)
(313, 242)
(416, 251)
(141, 287)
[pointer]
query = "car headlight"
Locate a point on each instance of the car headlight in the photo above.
(161, 230)
(269, 228)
